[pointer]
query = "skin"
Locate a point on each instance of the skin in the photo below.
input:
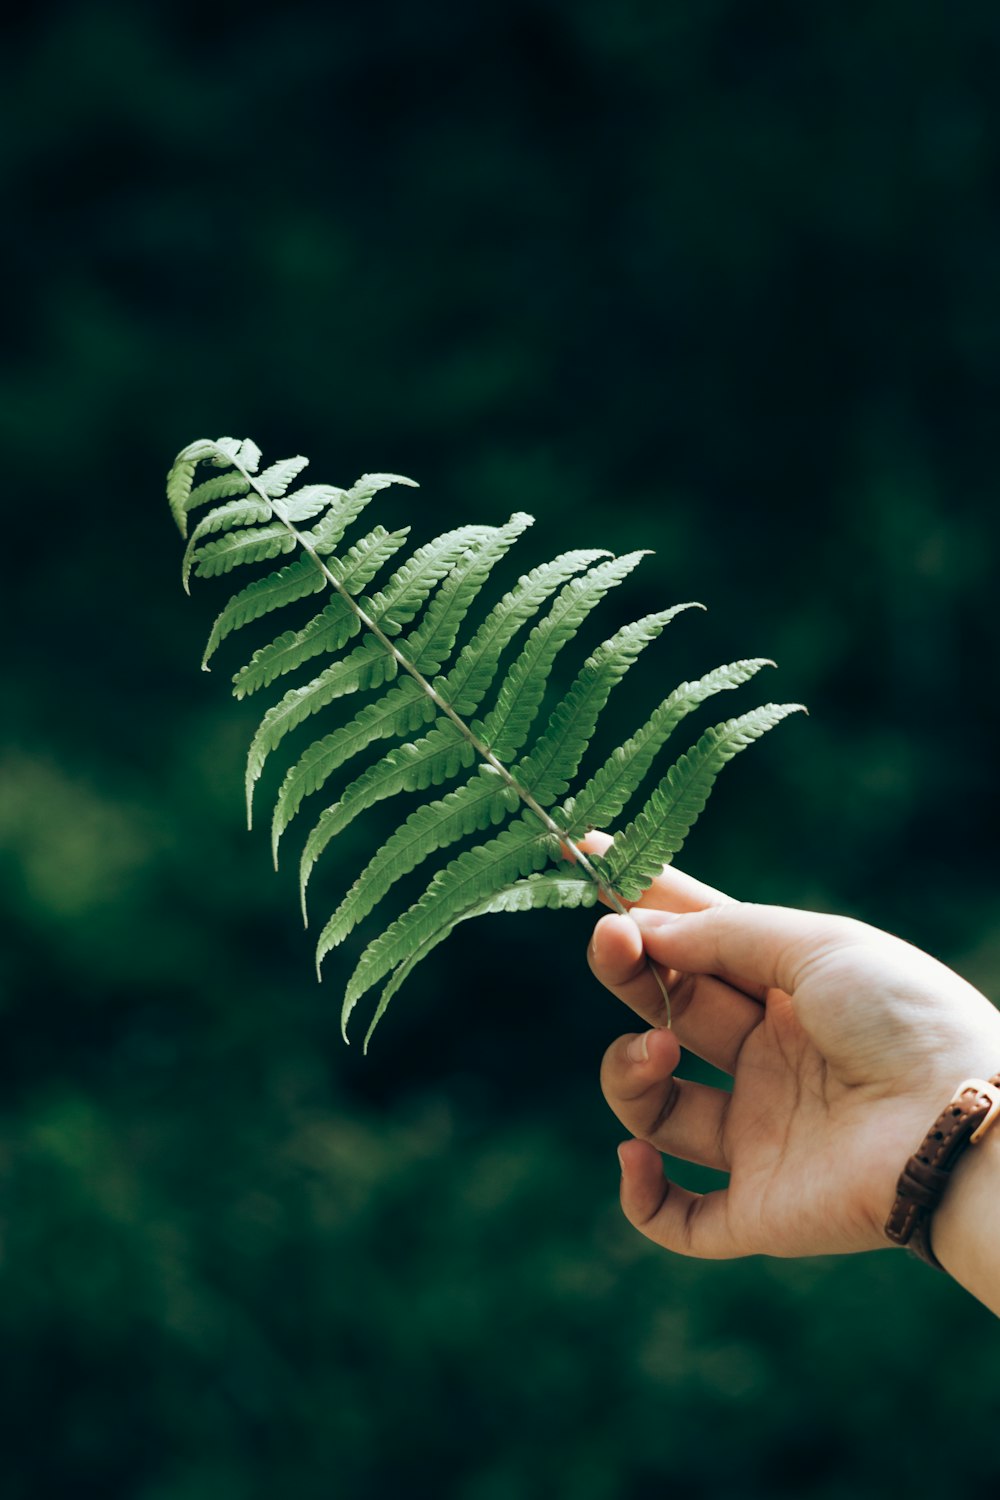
(843, 1044)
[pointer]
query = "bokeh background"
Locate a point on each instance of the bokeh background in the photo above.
(713, 278)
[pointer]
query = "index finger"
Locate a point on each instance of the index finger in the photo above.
(770, 946)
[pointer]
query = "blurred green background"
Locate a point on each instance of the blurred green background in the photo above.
(717, 279)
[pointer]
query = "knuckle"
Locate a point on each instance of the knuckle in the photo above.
(681, 989)
(667, 1106)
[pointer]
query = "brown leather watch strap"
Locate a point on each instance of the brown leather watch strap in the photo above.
(972, 1109)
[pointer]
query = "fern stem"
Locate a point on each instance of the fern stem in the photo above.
(481, 748)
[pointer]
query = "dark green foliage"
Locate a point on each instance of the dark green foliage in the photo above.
(433, 592)
(716, 280)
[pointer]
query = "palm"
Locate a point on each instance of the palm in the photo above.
(795, 1143)
(831, 1089)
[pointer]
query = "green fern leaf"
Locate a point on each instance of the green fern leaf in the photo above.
(533, 894)
(472, 675)
(434, 641)
(299, 579)
(335, 624)
(274, 481)
(409, 629)
(285, 586)
(508, 725)
(181, 478)
(225, 452)
(408, 588)
(243, 512)
(438, 756)
(222, 487)
(402, 711)
(252, 545)
(610, 789)
(547, 891)
(308, 501)
(249, 456)
(468, 879)
(369, 666)
(483, 801)
(556, 756)
(370, 484)
(441, 754)
(445, 822)
(430, 643)
(658, 832)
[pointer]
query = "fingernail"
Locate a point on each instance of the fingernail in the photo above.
(647, 918)
(621, 1161)
(637, 1050)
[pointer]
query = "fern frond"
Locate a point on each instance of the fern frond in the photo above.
(547, 891)
(335, 624)
(243, 512)
(434, 640)
(508, 725)
(232, 482)
(274, 481)
(370, 484)
(370, 665)
(254, 544)
(307, 502)
(533, 894)
(444, 822)
(404, 710)
(409, 629)
(468, 879)
(409, 587)
(181, 479)
(600, 802)
(477, 805)
(249, 456)
(441, 754)
(285, 586)
(658, 832)
(227, 450)
(483, 801)
(555, 758)
(436, 757)
(472, 675)
(367, 666)
(426, 648)
(301, 578)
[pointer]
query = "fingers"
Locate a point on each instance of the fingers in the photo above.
(687, 1223)
(680, 1118)
(770, 947)
(710, 1017)
(676, 1116)
(671, 891)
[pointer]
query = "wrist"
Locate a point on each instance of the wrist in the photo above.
(965, 1232)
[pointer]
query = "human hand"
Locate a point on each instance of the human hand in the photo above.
(843, 1044)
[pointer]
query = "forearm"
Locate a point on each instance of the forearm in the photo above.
(965, 1233)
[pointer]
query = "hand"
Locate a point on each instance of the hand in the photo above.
(843, 1044)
